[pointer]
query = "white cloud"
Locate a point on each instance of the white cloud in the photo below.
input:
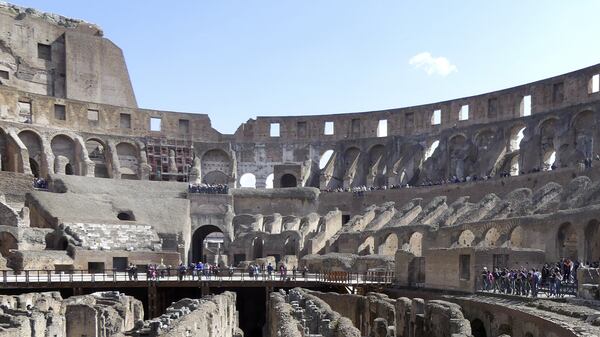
(432, 65)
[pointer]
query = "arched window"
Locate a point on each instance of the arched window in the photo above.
(248, 180)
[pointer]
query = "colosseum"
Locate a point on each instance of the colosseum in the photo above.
(477, 216)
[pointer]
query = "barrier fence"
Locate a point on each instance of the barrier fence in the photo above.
(33, 277)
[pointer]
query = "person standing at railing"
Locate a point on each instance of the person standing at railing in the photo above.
(230, 271)
(181, 271)
(270, 270)
(294, 273)
(304, 272)
(199, 270)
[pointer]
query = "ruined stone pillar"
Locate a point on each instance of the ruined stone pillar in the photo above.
(417, 315)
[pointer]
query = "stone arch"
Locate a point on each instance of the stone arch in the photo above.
(415, 244)
(248, 180)
(584, 128)
(35, 148)
(290, 246)
(258, 247)
(351, 156)
(199, 249)
(367, 247)
(325, 158)
(128, 155)
(457, 154)
(389, 246)
(288, 180)
(492, 236)
(517, 237)
(567, 241)
(547, 130)
(478, 328)
(216, 160)
(466, 238)
(7, 243)
(97, 153)
(63, 149)
(269, 180)
(377, 165)
(592, 241)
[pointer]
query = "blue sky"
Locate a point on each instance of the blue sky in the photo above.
(235, 60)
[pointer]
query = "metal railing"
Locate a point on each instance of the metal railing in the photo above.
(44, 277)
(524, 288)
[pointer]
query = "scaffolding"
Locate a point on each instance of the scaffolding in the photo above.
(157, 150)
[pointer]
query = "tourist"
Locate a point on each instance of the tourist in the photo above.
(270, 270)
(131, 271)
(304, 272)
(181, 271)
(199, 270)
(294, 273)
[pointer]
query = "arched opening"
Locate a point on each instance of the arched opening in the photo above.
(215, 178)
(549, 160)
(35, 169)
(269, 181)
(457, 152)
(367, 247)
(63, 149)
(96, 153)
(415, 244)
(214, 161)
(592, 241)
(477, 328)
(352, 170)
(516, 237)
(389, 245)
(33, 143)
(288, 180)
(516, 136)
(584, 127)
(377, 165)
(290, 246)
(325, 157)
(491, 237)
(258, 247)
(69, 169)
(248, 180)
(547, 134)
(126, 216)
(207, 244)
(567, 241)
(466, 238)
(431, 149)
(7, 243)
(128, 160)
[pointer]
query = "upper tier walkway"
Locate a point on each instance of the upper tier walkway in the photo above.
(31, 279)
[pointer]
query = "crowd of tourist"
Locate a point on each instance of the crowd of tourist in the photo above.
(556, 280)
(360, 190)
(255, 271)
(40, 183)
(208, 189)
(207, 271)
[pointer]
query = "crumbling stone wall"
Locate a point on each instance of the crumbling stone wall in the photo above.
(304, 314)
(48, 315)
(436, 318)
(214, 315)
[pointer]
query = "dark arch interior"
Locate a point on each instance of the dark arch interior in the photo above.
(257, 248)
(477, 328)
(126, 216)
(290, 246)
(198, 241)
(288, 180)
(69, 169)
(35, 170)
